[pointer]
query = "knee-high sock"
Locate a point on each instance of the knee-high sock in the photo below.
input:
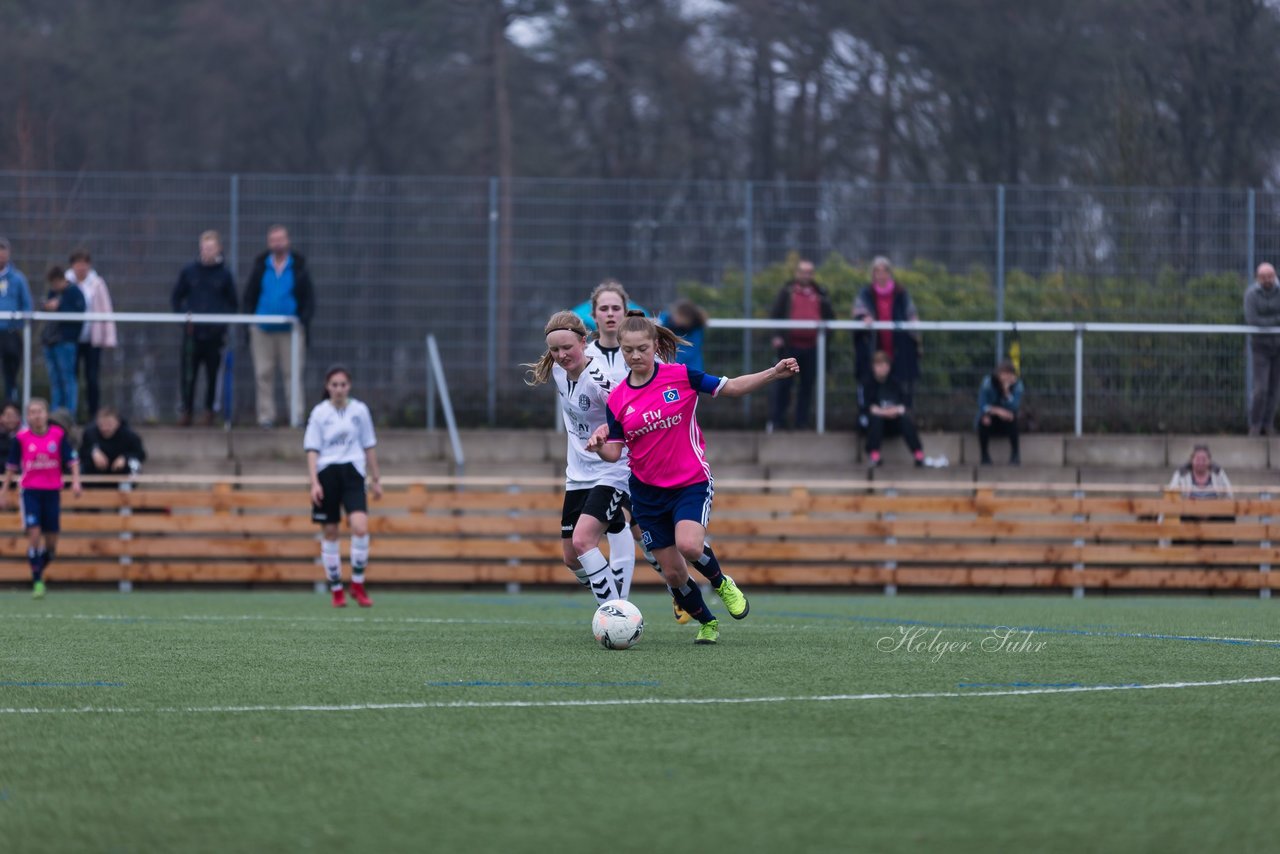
(690, 598)
(709, 566)
(653, 561)
(622, 560)
(359, 558)
(331, 560)
(34, 556)
(595, 575)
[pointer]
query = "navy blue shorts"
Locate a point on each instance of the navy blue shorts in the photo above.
(41, 509)
(657, 509)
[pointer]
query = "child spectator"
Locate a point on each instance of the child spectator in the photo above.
(998, 402)
(884, 411)
(687, 320)
(61, 339)
(109, 447)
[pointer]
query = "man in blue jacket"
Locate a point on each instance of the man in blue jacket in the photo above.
(15, 295)
(205, 286)
(279, 283)
(60, 340)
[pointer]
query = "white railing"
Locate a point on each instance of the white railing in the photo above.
(295, 339)
(1079, 330)
(436, 380)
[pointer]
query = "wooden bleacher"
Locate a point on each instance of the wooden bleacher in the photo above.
(490, 531)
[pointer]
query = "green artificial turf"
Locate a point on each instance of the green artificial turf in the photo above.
(181, 766)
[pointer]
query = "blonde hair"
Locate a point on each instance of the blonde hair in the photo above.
(568, 321)
(664, 340)
(881, 261)
(211, 235)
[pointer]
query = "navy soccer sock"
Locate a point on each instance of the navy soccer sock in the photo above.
(33, 559)
(709, 566)
(690, 598)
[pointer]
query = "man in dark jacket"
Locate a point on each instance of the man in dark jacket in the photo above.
(799, 299)
(204, 286)
(109, 447)
(279, 283)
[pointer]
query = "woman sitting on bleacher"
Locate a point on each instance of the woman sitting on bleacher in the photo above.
(1201, 477)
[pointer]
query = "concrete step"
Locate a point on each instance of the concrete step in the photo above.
(1133, 452)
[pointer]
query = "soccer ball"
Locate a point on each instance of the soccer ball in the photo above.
(617, 624)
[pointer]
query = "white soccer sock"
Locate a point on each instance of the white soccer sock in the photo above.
(653, 561)
(595, 574)
(359, 558)
(622, 560)
(331, 560)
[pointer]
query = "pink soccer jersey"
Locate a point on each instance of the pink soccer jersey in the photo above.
(658, 424)
(40, 457)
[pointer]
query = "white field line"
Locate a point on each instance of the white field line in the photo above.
(646, 701)
(267, 618)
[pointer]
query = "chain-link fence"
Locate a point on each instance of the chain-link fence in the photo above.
(481, 264)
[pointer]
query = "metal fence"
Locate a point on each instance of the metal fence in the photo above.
(481, 263)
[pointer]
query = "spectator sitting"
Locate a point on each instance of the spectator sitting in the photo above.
(1200, 477)
(688, 320)
(998, 402)
(109, 447)
(884, 411)
(10, 424)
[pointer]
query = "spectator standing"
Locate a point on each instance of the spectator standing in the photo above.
(885, 299)
(1200, 477)
(96, 334)
(1262, 308)
(60, 339)
(110, 447)
(802, 298)
(998, 402)
(15, 295)
(884, 412)
(10, 424)
(279, 283)
(688, 320)
(205, 286)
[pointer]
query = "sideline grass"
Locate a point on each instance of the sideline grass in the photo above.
(1187, 769)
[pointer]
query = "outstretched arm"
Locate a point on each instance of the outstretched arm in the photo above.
(744, 385)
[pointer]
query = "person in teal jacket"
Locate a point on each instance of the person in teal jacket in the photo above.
(998, 402)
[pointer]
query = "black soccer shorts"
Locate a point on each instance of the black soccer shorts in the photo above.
(601, 502)
(343, 490)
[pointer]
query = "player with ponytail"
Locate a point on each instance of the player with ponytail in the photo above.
(595, 497)
(652, 416)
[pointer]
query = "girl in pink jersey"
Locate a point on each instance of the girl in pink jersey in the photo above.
(654, 415)
(39, 453)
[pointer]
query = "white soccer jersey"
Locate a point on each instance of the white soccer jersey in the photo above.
(583, 403)
(340, 435)
(609, 360)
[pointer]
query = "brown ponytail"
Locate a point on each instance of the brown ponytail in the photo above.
(665, 342)
(540, 371)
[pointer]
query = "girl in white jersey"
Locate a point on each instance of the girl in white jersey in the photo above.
(595, 494)
(339, 442)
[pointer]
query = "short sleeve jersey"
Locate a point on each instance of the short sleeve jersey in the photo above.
(583, 405)
(40, 457)
(340, 435)
(658, 423)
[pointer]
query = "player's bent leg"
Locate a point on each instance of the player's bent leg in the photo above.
(593, 570)
(359, 523)
(691, 540)
(685, 592)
